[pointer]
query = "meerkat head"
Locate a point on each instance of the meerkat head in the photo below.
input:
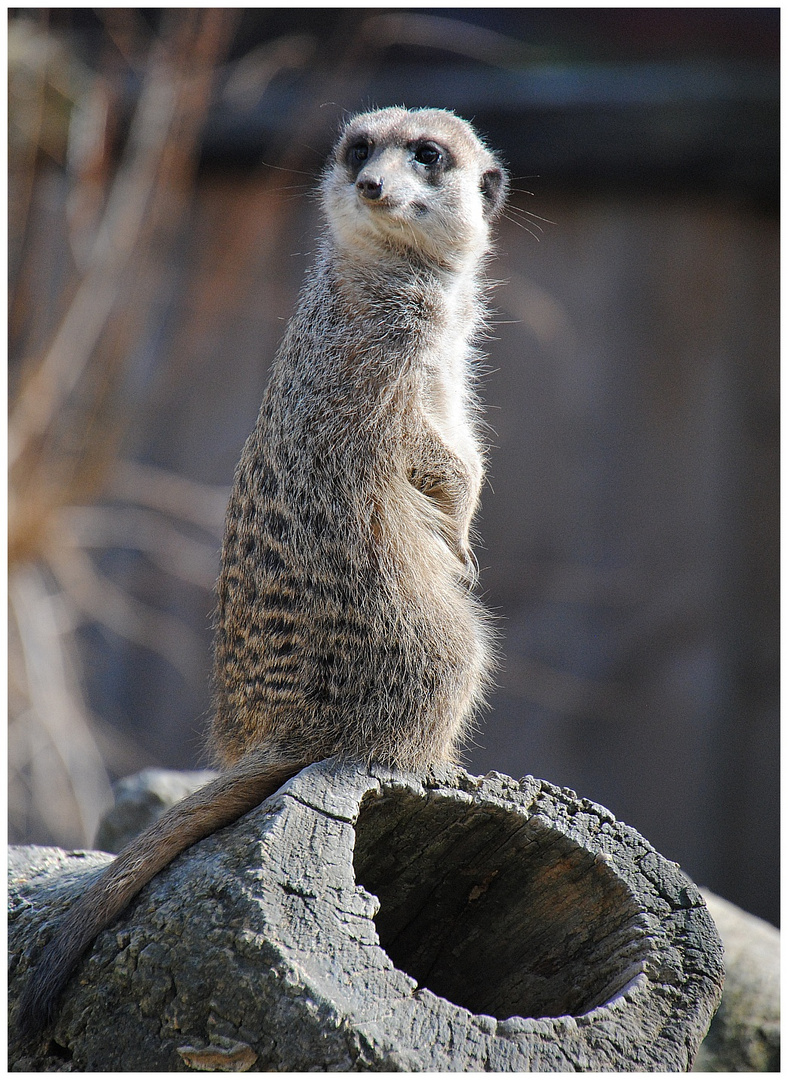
(413, 183)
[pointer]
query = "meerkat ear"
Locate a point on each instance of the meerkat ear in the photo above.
(494, 186)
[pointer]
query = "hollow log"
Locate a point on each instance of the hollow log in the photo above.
(374, 920)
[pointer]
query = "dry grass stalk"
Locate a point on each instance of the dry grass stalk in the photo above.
(67, 421)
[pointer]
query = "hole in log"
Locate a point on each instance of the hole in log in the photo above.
(59, 1051)
(496, 913)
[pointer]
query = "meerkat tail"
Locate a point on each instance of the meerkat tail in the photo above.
(213, 806)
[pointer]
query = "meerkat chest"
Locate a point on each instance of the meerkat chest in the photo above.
(447, 410)
(448, 395)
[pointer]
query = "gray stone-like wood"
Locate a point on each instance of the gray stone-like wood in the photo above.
(141, 799)
(745, 1033)
(377, 921)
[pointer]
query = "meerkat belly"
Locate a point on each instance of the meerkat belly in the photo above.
(436, 637)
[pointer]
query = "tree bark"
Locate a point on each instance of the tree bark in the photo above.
(373, 920)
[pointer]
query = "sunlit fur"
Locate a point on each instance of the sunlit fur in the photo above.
(346, 623)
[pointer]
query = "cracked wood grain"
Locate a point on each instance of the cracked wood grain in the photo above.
(373, 920)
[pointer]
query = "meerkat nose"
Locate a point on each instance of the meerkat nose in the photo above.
(370, 188)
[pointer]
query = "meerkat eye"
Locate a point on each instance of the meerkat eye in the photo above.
(428, 154)
(358, 152)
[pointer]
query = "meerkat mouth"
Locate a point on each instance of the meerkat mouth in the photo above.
(403, 210)
(385, 202)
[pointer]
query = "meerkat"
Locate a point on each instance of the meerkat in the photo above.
(346, 621)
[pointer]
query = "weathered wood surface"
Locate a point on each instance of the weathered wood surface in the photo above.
(377, 921)
(745, 1033)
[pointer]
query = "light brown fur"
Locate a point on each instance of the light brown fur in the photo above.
(346, 624)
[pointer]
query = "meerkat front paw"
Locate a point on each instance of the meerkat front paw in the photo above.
(469, 561)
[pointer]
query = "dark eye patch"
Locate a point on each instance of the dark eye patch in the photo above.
(428, 153)
(358, 152)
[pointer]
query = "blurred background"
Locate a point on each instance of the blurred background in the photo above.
(162, 172)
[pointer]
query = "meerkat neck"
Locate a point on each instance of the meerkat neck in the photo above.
(444, 264)
(385, 280)
(416, 311)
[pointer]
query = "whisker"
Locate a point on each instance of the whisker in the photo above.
(522, 225)
(530, 214)
(286, 168)
(514, 211)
